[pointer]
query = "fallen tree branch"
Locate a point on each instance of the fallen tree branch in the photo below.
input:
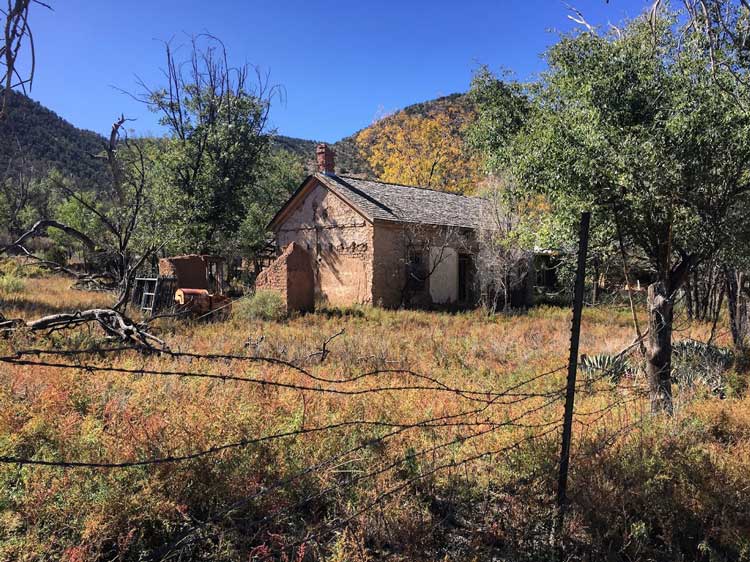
(324, 351)
(80, 278)
(40, 228)
(115, 325)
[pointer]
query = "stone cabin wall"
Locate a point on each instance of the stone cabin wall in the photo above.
(356, 261)
(340, 243)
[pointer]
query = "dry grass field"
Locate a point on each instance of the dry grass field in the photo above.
(414, 436)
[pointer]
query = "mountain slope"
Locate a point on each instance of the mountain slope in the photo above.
(349, 158)
(45, 141)
(36, 136)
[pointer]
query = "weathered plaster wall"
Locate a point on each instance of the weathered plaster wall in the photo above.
(389, 262)
(339, 241)
(443, 280)
(391, 244)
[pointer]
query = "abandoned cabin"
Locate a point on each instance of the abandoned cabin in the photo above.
(345, 240)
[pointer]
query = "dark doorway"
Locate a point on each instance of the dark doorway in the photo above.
(465, 277)
(416, 272)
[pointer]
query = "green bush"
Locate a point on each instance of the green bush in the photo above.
(56, 254)
(20, 268)
(263, 305)
(11, 284)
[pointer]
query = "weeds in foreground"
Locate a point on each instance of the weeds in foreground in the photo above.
(660, 490)
(10, 284)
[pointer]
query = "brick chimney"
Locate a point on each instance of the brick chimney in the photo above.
(325, 159)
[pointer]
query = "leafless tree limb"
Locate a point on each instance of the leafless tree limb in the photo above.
(40, 229)
(16, 33)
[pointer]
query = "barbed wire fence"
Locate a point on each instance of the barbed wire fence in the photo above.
(528, 414)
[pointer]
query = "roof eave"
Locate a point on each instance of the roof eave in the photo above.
(328, 180)
(421, 223)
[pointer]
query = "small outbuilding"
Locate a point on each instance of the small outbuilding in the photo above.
(195, 271)
(193, 281)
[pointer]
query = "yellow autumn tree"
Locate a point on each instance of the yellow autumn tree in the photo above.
(427, 151)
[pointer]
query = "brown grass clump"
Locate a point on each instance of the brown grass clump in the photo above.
(641, 489)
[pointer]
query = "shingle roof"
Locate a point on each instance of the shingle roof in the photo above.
(404, 203)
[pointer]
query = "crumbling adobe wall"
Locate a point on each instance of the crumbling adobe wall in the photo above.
(291, 276)
(389, 265)
(190, 270)
(439, 247)
(340, 243)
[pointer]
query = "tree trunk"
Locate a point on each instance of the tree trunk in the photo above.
(737, 306)
(689, 300)
(595, 288)
(659, 352)
(506, 293)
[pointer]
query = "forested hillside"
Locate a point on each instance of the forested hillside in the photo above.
(46, 141)
(424, 144)
(352, 157)
(349, 159)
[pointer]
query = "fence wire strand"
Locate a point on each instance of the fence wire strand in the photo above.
(481, 420)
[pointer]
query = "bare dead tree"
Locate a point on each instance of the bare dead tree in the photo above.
(118, 218)
(502, 261)
(16, 34)
(39, 229)
(426, 248)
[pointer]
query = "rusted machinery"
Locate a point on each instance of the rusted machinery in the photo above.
(200, 301)
(191, 282)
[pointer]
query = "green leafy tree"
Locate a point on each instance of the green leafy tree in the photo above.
(212, 165)
(502, 108)
(635, 126)
(281, 174)
(723, 27)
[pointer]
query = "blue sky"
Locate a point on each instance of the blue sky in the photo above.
(341, 63)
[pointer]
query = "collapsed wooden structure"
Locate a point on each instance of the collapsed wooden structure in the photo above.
(191, 282)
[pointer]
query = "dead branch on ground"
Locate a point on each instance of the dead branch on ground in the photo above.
(116, 326)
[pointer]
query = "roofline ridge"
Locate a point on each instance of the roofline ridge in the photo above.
(370, 198)
(411, 186)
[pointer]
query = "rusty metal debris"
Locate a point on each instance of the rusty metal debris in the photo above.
(193, 283)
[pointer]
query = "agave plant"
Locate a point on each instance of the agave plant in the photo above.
(612, 367)
(696, 362)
